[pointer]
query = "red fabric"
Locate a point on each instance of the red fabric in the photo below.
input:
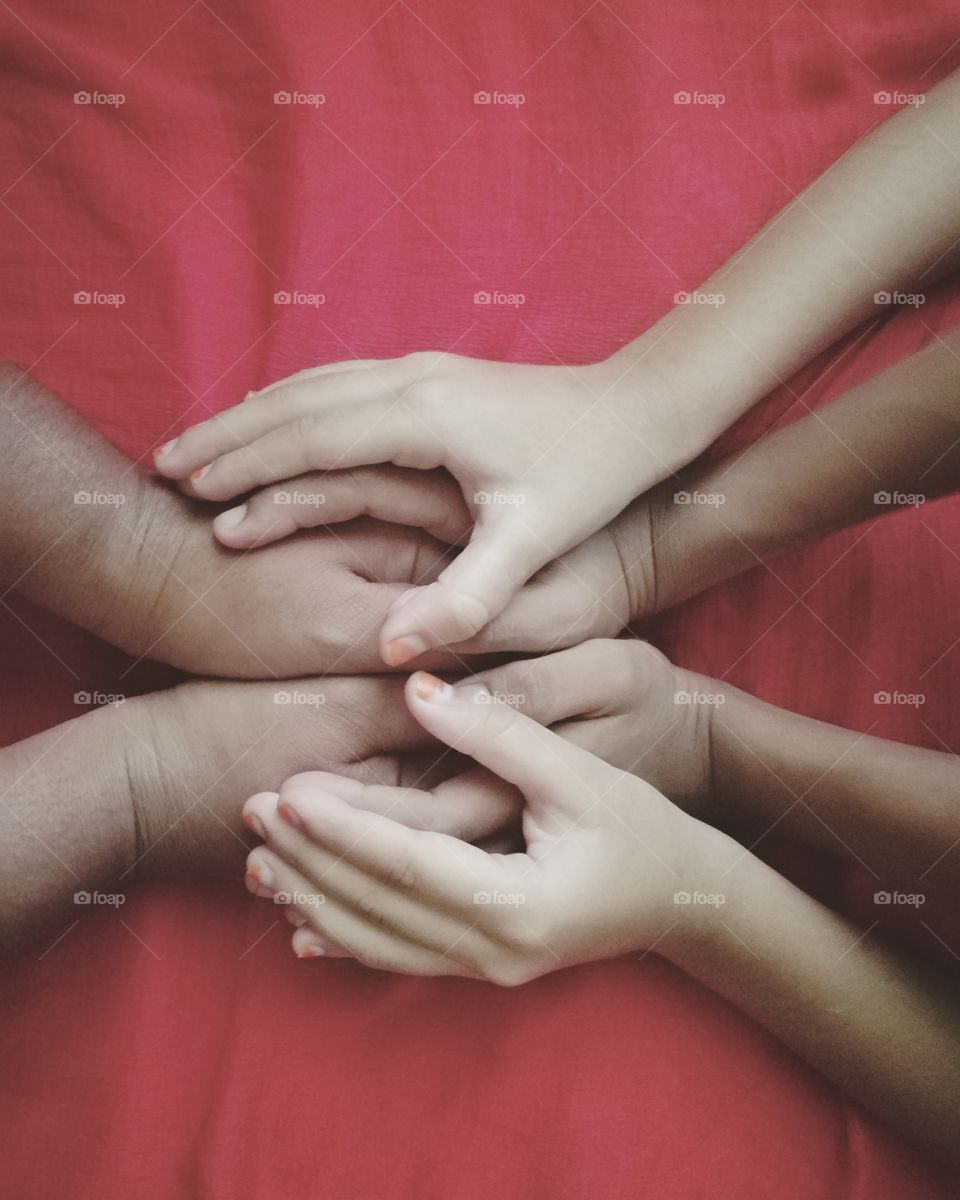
(194, 1068)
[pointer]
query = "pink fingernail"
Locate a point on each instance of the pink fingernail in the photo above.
(290, 814)
(260, 872)
(254, 824)
(429, 687)
(164, 449)
(309, 949)
(198, 474)
(256, 888)
(402, 650)
(230, 519)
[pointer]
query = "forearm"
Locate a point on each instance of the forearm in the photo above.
(70, 506)
(894, 438)
(889, 806)
(66, 821)
(872, 1022)
(885, 217)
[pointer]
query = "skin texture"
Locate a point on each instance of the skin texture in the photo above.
(884, 217)
(606, 856)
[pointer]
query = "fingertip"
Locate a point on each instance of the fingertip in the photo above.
(227, 525)
(400, 650)
(424, 686)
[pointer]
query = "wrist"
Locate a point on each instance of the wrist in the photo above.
(705, 888)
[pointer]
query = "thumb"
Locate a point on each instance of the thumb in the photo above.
(479, 583)
(540, 763)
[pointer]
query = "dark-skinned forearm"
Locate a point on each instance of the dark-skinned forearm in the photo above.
(896, 436)
(894, 808)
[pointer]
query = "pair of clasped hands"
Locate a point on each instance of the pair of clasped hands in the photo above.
(527, 475)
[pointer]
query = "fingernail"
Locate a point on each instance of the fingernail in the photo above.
(429, 687)
(260, 872)
(254, 824)
(198, 474)
(164, 449)
(401, 650)
(256, 888)
(230, 519)
(290, 815)
(309, 949)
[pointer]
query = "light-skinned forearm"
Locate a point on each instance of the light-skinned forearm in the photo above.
(884, 217)
(883, 1029)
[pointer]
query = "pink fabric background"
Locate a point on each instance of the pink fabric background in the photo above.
(202, 1067)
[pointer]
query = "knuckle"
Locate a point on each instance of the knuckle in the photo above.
(401, 875)
(370, 912)
(509, 971)
(304, 428)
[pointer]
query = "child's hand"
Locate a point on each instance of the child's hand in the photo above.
(606, 854)
(624, 701)
(543, 456)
